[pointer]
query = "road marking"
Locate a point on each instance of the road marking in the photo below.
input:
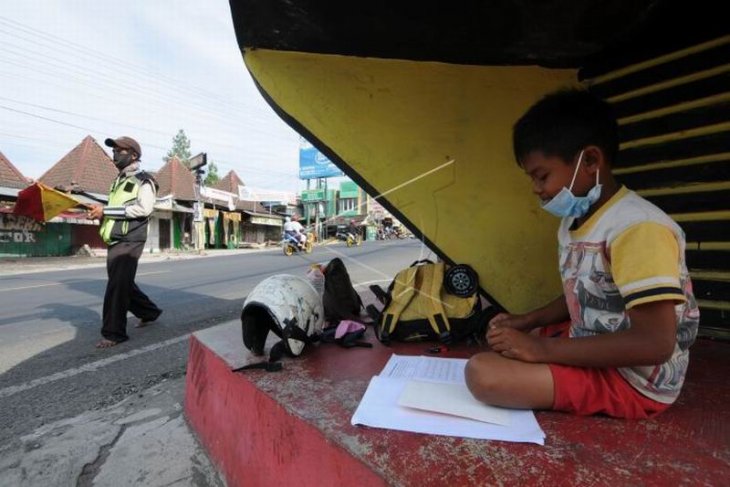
(90, 367)
(30, 287)
(60, 283)
(233, 295)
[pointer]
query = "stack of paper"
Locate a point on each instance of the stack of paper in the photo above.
(429, 395)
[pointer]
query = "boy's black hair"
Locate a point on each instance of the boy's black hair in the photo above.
(563, 123)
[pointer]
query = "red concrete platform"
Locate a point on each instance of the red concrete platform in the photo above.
(293, 428)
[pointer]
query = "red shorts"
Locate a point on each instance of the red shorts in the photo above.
(590, 390)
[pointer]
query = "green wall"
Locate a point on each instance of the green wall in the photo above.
(24, 237)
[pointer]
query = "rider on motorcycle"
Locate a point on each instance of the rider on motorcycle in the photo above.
(292, 228)
(353, 232)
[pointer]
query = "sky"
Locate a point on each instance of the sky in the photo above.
(140, 68)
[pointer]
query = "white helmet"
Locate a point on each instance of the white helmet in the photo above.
(287, 305)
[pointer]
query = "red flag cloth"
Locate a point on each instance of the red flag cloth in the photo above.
(42, 203)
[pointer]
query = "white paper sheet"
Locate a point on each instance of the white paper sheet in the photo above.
(454, 399)
(430, 369)
(379, 406)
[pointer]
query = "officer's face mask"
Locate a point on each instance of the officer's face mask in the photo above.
(566, 204)
(122, 159)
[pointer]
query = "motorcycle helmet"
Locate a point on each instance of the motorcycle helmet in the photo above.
(287, 305)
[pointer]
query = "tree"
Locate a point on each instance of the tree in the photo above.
(180, 148)
(212, 176)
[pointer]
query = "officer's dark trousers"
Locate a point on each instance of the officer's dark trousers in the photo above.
(122, 294)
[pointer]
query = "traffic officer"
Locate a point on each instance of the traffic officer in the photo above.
(124, 229)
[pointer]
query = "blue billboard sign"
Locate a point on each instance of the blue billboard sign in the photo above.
(313, 164)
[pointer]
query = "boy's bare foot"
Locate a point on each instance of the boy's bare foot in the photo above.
(104, 343)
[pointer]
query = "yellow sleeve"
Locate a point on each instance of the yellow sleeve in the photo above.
(645, 264)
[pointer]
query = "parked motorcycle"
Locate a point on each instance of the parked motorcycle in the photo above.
(290, 244)
(392, 233)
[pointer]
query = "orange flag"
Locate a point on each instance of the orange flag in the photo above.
(42, 202)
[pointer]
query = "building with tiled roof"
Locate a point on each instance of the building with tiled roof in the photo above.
(258, 224)
(175, 179)
(251, 207)
(86, 168)
(10, 177)
(229, 183)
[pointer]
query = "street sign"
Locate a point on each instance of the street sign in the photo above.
(313, 164)
(312, 195)
(198, 161)
(197, 212)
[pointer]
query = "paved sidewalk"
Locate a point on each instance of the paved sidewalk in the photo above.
(25, 265)
(143, 440)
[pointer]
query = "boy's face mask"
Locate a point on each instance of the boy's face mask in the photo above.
(566, 204)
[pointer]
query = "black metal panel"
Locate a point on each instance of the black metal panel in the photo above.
(692, 22)
(668, 97)
(677, 176)
(711, 290)
(701, 145)
(706, 231)
(687, 65)
(718, 260)
(556, 33)
(692, 202)
(715, 318)
(676, 122)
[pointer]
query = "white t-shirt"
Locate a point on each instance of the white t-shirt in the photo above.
(628, 253)
(293, 227)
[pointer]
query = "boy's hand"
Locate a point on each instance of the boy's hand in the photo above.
(506, 320)
(512, 343)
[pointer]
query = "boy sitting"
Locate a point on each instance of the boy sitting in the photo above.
(626, 290)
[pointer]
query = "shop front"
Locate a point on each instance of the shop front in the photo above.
(261, 228)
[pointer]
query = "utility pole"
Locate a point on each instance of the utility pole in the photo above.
(317, 205)
(308, 207)
(326, 210)
(196, 165)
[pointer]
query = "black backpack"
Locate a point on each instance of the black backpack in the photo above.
(340, 299)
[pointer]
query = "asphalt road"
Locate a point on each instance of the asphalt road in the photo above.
(50, 321)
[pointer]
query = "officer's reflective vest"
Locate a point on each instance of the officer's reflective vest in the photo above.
(121, 229)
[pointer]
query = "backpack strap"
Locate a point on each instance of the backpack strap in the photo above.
(401, 294)
(280, 348)
(267, 366)
(273, 364)
(432, 278)
(373, 313)
(379, 293)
